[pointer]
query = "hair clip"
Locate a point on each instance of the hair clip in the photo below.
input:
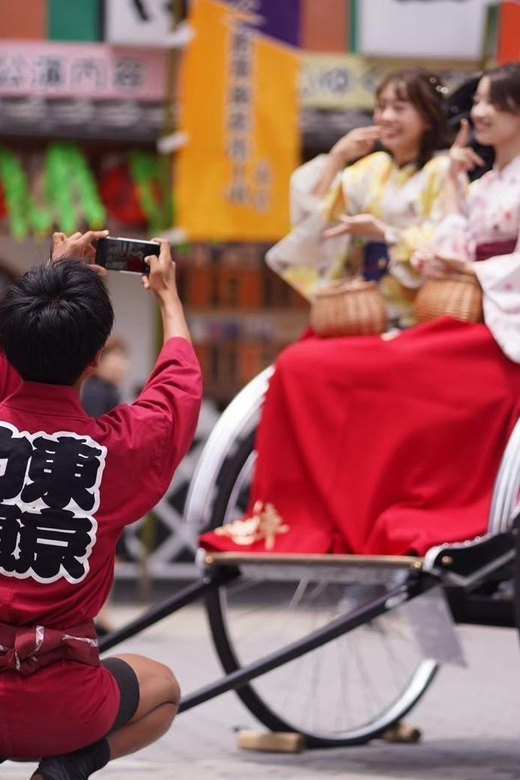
(438, 85)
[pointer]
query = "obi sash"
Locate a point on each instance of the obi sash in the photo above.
(375, 260)
(495, 248)
(26, 649)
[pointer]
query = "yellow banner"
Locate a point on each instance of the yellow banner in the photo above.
(240, 110)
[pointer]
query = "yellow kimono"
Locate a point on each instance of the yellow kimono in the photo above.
(408, 201)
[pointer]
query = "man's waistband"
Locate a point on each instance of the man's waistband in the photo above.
(26, 649)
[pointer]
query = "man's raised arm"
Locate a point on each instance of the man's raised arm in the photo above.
(161, 281)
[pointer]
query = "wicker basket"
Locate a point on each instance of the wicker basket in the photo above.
(456, 295)
(349, 307)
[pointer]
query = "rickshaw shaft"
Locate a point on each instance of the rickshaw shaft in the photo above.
(167, 607)
(336, 628)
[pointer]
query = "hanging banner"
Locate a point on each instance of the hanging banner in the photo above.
(84, 70)
(273, 18)
(436, 29)
(240, 110)
(509, 33)
(349, 81)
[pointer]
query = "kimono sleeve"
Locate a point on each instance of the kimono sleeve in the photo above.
(452, 236)
(404, 242)
(351, 193)
(148, 439)
(499, 278)
(302, 258)
(306, 260)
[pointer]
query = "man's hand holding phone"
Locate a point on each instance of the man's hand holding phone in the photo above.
(78, 246)
(161, 277)
(162, 282)
(100, 252)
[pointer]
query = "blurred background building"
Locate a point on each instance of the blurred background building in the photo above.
(185, 119)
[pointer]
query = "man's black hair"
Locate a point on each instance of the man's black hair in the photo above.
(54, 320)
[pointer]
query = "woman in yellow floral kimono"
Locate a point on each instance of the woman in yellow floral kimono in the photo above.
(387, 203)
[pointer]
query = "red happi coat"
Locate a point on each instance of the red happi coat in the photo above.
(68, 486)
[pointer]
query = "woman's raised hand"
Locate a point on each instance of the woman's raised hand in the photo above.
(462, 157)
(355, 144)
(358, 143)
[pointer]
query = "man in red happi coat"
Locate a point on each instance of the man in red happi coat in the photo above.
(68, 486)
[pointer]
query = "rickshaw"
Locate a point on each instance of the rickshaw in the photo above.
(338, 648)
(333, 647)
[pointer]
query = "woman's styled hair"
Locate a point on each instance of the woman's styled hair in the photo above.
(504, 87)
(425, 91)
(54, 320)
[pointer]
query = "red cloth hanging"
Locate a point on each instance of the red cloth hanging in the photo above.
(3, 207)
(120, 196)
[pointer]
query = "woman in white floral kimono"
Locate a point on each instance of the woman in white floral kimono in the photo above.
(480, 234)
(392, 446)
(387, 203)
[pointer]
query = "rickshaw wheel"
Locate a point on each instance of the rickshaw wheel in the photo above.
(346, 692)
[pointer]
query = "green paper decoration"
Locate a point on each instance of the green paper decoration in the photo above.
(24, 215)
(70, 196)
(71, 189)
(145, 171)
(16, 192)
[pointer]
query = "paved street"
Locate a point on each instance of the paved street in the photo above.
(470, 719)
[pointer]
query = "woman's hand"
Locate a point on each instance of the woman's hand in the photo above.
(362, 226)
(79, 246)
(355, 144)
(462, 158)
(352, 146)
(434, 265)
(454, 265)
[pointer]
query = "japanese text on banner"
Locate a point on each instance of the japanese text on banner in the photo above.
(240, 111)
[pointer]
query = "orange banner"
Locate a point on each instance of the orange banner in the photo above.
(240, 110)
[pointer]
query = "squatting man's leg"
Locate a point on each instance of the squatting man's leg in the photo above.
(159, 696)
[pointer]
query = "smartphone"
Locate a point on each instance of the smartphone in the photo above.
(125, 254)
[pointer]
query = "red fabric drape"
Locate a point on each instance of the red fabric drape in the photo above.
(383, 447)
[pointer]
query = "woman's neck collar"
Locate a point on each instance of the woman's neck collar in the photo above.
(405, 157)
(506, 153)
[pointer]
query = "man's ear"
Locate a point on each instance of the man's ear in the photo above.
(95, 363)
(88, 371)
(91, 368)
